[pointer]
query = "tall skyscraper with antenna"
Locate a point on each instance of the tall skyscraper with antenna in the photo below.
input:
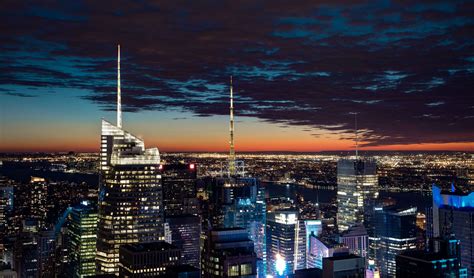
(239, 200)
(357, 184)
(130, 206)
(231, 129)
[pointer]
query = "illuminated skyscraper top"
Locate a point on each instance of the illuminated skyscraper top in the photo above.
(357, 184)
(119, 97)
(130, 207)
(232, 150)
(357, 187)
(453, 214)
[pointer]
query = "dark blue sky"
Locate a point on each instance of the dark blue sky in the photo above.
(301, 68)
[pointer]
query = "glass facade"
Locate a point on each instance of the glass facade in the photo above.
(357, 240)
(228, 252)
(241, 203)
(148, 259)
(184, 233)
(396, 230)
(82, 235)
(320, 249)
(282, 242)
(6, 208)
(357, 185)
(453, 214)
(313, 229)
(179, 189)
(130, 195)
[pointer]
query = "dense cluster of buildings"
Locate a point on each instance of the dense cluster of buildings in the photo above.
(153, 219)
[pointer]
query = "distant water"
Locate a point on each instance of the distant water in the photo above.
(418, 199)
(22, 172)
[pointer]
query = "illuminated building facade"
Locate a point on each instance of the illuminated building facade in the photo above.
(443, 261)
(284, 246)
(6, 209)
(38, 200)
(46, 252)
(82, 238)
(357, 186)
(228, 252)
(130, 195)
(130, 207)
(240, 202)
(34, 254)
(348, 265)
(313, 228)
(184, 233)
(396, 228)
(320, 249)
(26, 255)
(147, 259)
(179, 189)
(453, 214)
(356, 239)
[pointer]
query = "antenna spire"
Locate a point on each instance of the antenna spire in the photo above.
(356, 137)
(119, 98)
(232, 150)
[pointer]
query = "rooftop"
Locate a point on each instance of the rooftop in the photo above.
(424, 256)
(343, 257)
(148, 247)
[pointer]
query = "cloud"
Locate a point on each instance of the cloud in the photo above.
(407, 68)
(16, 94)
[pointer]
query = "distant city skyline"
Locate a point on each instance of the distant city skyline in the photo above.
(300, 69)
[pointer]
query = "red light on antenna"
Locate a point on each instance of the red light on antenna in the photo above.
(160, 167)
(192, 166)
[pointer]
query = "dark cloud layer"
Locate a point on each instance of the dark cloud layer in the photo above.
(405, 68)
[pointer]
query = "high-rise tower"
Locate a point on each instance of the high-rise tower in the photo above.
(396, 229)
(231, 128)
(82, 234)
(130, 206)
(239, 200)
(357, 187)
(453, 214)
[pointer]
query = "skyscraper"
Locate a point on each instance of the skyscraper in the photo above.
(444, 260)
(320, 248)
(82, 235)
(34, 254)
(179, 189)
(453, 214)
(357, 240)
(147, 259)
(26, 255)
(283, 244)
(239, 200)
(241, 203)
(396, 229)
(313, 228)
(357, 185)
(6, 208)
(184, 233)
(228, 252)
(38, 200)
(130, 193)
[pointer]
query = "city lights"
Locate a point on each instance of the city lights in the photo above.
(280, 264)
(237, 139)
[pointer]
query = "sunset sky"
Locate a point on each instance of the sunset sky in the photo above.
(301, 70)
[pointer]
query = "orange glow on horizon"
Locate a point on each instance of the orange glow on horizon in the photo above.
(246, 145)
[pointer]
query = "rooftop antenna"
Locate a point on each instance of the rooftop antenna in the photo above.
(356, 137)
(119, 98)
(232, 150)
